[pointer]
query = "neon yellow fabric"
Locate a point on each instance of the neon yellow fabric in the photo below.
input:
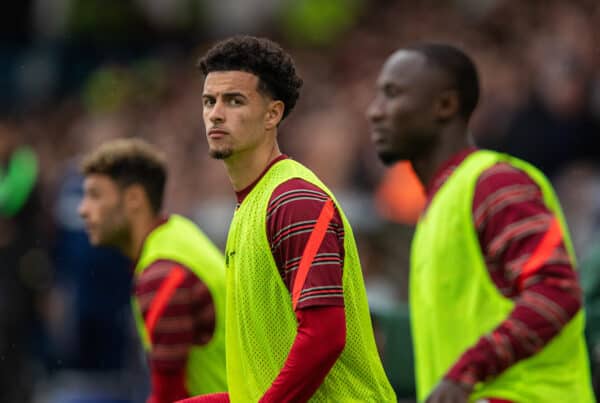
(454, 302)
(261, 325)
(181, 241)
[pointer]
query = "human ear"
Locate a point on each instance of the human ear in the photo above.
(274, 114)
(134, 197)
(447, 105)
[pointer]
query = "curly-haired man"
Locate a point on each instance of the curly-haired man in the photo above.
(297, 321)
(178, 274)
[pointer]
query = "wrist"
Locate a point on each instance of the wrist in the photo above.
(465, 380)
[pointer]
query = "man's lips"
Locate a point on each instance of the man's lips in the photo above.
(378, 135)
(217, 133)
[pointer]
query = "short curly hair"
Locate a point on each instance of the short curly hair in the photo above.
(130, 161)
(262, 57)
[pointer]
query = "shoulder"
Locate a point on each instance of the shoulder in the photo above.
(504, 180)
(294, 189)
(297, 197)
(503, 194)
(157, 273)
(501, 175)
(297, 203)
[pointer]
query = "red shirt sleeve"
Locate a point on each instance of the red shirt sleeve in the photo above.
(186, 318)
(292, 213)
(222, 397)
(167, 386)
(319, 343)
(511, 220)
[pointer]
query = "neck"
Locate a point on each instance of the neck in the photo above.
(245, 167)
(141, 226)
(452, 140)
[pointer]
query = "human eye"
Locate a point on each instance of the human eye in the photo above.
(235, 101)
(91, 194)
(207, 102)
(391, 91)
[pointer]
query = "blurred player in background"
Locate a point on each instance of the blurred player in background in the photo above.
(179, 280)
(298, 324)
(495, 302)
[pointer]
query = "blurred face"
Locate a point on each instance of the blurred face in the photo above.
(102, 209)
(402, 115)
(235, 113)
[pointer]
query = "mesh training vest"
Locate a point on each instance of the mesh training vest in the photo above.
(454, 302)
(261, 325)
(181, 241)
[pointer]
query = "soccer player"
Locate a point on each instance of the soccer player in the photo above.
(495, 303)
(179, 274)
(298, 324)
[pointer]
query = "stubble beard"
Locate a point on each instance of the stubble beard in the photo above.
(220, 154)
(388, 158)
(116, 233)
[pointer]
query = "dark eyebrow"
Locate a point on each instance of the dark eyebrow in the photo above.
(89, 189)
(233, 95)
(226, 95)
(390, 84)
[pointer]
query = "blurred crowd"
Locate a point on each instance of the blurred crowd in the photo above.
(78, 73)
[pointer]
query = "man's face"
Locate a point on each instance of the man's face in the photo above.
(402, 115)
(102, 209)
(234, 113)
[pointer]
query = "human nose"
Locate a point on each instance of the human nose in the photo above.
(374, 110)
(217, 113)
(82, 209)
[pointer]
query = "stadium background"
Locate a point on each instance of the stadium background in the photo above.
(74, 73)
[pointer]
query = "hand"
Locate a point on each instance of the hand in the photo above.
(449, 392)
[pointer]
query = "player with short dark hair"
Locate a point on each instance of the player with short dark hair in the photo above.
(261, 57)
(298, 325)
(179, 278)
(495, 303)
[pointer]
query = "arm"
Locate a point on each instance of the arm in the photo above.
(183, 315)
(222, 397)
(310, 358)
(295, 207)
(528, 263)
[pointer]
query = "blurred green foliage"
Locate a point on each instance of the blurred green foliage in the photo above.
(317, 22)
